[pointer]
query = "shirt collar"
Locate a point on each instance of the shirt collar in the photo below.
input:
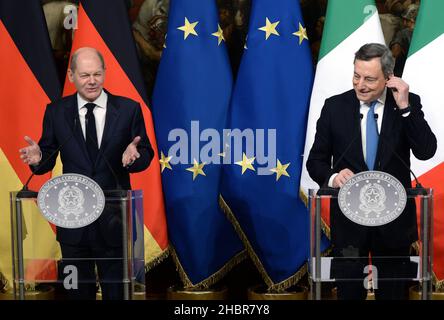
(381, 99)
(100, 101)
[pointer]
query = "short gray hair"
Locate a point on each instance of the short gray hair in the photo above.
(73, 62)
(370, 51)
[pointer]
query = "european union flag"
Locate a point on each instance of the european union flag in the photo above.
(260, 190)
(190, 103)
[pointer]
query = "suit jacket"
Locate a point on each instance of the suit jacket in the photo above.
(123, 122)
(339, 128)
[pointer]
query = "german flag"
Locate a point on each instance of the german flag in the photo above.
(104, 25)
(28, 82)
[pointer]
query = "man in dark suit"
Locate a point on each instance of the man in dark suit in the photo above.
(100, 133)
(341, 149)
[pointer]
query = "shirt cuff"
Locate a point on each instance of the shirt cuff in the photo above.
(405, 115)
(406, 111)
(330, 181)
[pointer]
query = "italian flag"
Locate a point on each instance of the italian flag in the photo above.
(348, 26)
(422, 72)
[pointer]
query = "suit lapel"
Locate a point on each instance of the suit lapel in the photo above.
(73, 120)
(112, 114)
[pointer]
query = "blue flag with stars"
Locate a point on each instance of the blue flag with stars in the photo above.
(190, 102)
(260, 189)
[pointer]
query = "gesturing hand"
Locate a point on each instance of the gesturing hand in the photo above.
(131, 154)
(31, 154)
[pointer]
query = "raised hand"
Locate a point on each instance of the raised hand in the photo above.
(131, 154)
(400, 91)
(31, 155)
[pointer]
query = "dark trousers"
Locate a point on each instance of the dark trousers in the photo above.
(93, 252)
(391, 269)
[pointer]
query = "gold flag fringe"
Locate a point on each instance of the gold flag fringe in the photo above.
(326, 229)
(438, 284)
(303, 197)
(156, 261)
(208, 282)
(3, 282)
(272, 287)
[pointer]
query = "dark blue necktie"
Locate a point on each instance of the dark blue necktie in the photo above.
(91, 132)
(372, 137)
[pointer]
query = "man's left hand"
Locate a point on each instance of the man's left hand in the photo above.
(400, 91)
(131, 154)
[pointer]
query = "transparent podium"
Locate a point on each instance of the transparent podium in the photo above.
(119, 272)
(352, 269)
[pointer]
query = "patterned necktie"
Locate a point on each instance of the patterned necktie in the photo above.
(91, 132)
(372, 137)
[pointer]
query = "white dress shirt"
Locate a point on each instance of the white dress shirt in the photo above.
(99, 114)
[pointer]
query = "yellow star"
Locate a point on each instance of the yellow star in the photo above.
(269, 28)
(280, 170)
(188, 28)
(196, 169)
(165, 162)
(219, 34)
(301, 33)
(246, 163)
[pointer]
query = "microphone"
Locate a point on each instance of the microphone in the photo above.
(418, 184)
(324, 187)
(25, 192)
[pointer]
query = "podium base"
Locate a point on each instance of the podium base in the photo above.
(179, 293)
(260, 293)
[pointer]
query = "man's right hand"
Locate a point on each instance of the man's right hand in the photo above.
(342, 177)
(31, 155)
